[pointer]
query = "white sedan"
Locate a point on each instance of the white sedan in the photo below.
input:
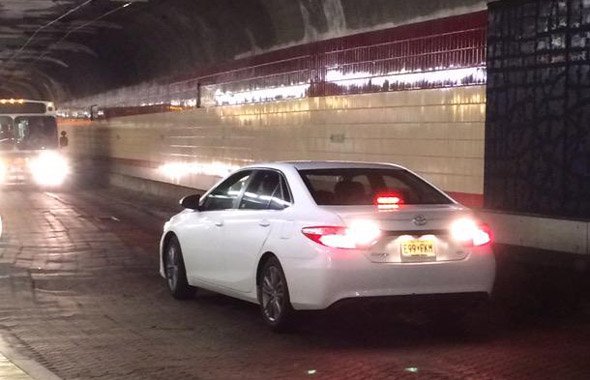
(305, 235)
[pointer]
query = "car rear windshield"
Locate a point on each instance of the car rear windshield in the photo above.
(361, 186)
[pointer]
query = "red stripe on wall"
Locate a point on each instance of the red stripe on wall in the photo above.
(468, 199)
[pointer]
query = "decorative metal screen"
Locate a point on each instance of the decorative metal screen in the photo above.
(537, 156)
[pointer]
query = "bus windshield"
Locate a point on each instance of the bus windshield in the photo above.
(28, 133)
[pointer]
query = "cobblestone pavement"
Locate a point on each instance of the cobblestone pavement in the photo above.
(81, 295)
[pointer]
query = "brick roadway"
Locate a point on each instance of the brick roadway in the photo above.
(80, 294)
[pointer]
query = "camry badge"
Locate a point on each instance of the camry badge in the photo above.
(419, 220)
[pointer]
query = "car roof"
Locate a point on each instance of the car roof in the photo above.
(306, 165)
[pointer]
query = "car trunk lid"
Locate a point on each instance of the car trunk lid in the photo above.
(410, 233)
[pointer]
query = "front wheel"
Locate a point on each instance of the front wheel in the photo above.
(176, 272)
(273, 294)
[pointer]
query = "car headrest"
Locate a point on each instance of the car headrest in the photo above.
(349, 190)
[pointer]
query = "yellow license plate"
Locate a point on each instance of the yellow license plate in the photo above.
(17, 162)
(16, 165)
(418, 248)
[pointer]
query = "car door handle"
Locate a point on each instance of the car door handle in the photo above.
(219, 223)
(264, 223)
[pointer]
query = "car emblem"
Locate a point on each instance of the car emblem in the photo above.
(419, 220)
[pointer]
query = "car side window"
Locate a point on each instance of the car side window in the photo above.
(266, 191)
(223, 197)
(282, 197)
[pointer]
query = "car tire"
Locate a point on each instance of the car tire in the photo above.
(176, 272)
(273, 296)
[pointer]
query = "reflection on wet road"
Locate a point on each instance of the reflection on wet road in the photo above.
(80, 294)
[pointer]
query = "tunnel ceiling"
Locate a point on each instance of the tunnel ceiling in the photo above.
(63, 49)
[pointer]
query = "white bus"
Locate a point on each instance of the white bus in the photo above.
(29, 143)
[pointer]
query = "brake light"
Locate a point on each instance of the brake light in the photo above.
(468, 232)
(388, 201)
(359, 235)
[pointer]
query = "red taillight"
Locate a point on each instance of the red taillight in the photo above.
(358, 235)
(470, 233)
(484, 235)
(321, 233)
(388, 200)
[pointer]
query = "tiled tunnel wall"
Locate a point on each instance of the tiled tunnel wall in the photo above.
(438, 132)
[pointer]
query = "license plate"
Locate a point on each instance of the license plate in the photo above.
(14, 168)
(17, 164)
(418, 248)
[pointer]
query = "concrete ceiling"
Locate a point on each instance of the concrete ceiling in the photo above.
(62, 49)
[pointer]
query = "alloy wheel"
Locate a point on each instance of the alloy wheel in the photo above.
(273, 294)
(172, 267)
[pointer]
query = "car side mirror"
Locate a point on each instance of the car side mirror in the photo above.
(191, 202)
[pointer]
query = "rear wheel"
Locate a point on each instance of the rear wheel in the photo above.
(273, 294)
(176, 272)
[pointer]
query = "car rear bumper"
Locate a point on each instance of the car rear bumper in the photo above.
(423, 302)
(349, 275)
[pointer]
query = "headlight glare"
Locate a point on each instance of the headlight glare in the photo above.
(470, 232)
(49, 169)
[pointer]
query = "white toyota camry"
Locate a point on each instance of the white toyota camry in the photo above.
(305, 235)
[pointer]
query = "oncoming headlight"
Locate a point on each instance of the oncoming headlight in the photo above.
(49, 169)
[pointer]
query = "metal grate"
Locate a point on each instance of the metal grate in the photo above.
(537, 157)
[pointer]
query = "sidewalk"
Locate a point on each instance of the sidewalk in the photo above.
(9, 371)
(15, 366)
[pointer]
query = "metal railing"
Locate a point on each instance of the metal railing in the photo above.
(450, 52)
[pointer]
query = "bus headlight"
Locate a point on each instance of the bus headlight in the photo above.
(49, 169)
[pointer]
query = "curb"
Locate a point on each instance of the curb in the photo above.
(29, 366)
